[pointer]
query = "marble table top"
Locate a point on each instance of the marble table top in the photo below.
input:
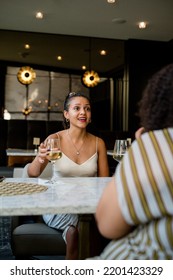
(71, 195)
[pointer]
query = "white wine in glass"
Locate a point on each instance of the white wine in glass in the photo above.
(53, 154)
(120, 149)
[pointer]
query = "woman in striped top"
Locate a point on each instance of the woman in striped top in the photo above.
(136, 208)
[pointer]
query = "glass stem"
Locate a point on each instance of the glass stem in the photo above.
(53, 168)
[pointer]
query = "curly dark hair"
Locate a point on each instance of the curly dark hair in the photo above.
(68, 98)
(156, 105)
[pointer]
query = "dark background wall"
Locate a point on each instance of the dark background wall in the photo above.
(142, 59)
(3, 69)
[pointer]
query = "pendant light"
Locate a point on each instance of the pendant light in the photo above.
(26, 76)
(90, 78)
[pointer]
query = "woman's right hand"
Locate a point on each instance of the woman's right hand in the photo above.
(42, 152)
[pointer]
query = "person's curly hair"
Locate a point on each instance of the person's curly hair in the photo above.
(156, 105)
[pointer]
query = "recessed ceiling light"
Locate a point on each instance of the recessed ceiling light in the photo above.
(39, 15)
(27, 46)
(142, 25)
(111, 1)
(59, 57)
(83, 67)
(103, 52)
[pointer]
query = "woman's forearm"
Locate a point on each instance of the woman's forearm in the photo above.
(109, 218)
(36, 167)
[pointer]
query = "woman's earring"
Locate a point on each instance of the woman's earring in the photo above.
(67, 120)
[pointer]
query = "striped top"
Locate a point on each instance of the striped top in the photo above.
(144, 182)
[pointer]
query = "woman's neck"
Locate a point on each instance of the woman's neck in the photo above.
(77, 134)
(77, 141)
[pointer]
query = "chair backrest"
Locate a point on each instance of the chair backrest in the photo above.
(17, 172)
(47, 172)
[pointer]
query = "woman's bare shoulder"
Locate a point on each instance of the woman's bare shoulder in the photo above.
(56, 134)
(99, 140)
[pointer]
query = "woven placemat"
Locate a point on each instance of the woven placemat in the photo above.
(11, 188)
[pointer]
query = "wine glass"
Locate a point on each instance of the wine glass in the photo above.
(53, 154)
(120, 149)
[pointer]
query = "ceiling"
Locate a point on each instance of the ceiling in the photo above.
(73, 27)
